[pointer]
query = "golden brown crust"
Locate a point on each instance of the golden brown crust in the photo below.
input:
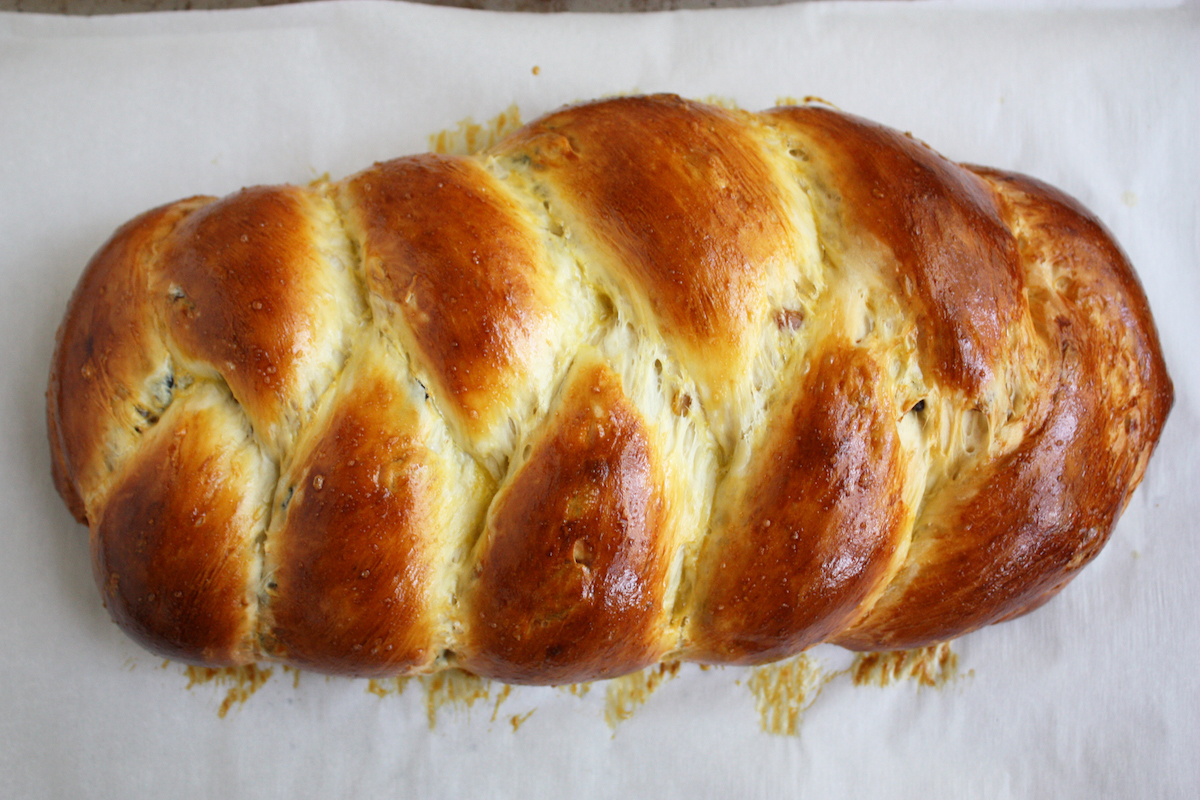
(107, 343)
(1005, 538)
(350, 573)
(455, 257)
(953, 258)
(815, 525)
(171, 547)
(683, 205)
(571, 576)
(247, 291)
(229, 272)
(650, 378)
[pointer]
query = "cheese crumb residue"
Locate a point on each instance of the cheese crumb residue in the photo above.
(505, 691)
(623, 696)
(383, 687)
(727, 103)
(932, 666)
(517, 720)
(576, 689)
(242, 682)
(782, 691)
(452, 687)
(470, 138)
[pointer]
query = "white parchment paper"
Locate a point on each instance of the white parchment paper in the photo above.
(100, 119)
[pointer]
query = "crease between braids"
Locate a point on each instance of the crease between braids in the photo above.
(648, 379)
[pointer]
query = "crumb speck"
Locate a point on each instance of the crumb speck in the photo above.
(624, 695)
(783, 690)
(932, 666)
(242, 681)
(453, 688)
(518, 719)
(471, 138)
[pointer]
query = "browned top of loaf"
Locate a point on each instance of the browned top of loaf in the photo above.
(649, 379)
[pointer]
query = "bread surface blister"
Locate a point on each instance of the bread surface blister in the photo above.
(648, 379)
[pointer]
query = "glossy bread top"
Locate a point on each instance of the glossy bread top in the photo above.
(648, 379)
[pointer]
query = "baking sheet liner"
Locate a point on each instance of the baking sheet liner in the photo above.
(103, 118)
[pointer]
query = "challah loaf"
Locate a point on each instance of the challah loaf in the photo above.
(648, 379)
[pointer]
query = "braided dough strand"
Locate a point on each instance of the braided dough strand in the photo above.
(648, 379)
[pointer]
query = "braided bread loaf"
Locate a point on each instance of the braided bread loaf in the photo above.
(648, 379)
